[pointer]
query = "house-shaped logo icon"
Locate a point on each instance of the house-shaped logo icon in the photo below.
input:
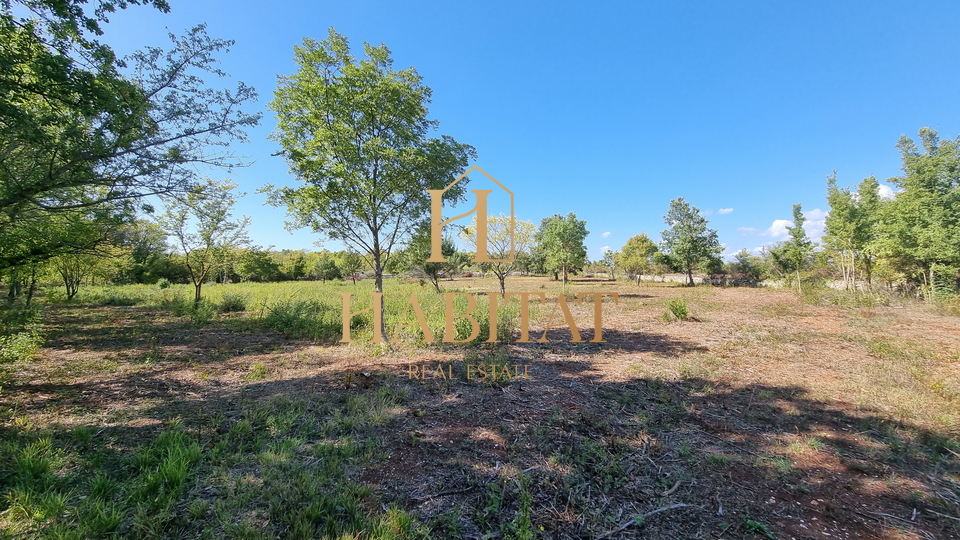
(480, 209)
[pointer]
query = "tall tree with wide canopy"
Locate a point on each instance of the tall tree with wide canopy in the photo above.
(85, 135)
(688, 241)
(921, 226)
(637, 255)
(562, 241)
(355, 133)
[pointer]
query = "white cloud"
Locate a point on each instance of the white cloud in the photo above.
(725, 210)
(605, 249)
(605, 235)
(887, 192)
(746, 230)
(778, 229)
(814, 225)
(706, 213)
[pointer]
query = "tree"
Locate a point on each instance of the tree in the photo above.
(562, 239)
(851, 226)
(204, 230)
(500, 246)
(610, 262)
(688, 241)
(350, 263)
(84, 140)
(72, 269)
(355, 133)
(746, 266)
(257, 265)
(920, 228)
(418, 251)
(325, 268)
(636, 256)
(793, 252)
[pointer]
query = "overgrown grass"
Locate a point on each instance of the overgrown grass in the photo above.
(281, 468)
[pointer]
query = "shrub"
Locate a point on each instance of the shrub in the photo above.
(203, 312)
(304, 318)
(21, 346)
(233, 302)
(677, 310)
(163, 283)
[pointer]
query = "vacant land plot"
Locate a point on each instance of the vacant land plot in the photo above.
(760, 416)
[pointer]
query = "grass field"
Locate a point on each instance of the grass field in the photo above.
(760, 415)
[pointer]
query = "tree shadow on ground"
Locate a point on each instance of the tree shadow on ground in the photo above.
(570, 450)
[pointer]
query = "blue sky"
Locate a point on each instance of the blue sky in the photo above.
(613, 109)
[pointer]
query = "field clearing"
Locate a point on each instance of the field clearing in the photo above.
(760, 417)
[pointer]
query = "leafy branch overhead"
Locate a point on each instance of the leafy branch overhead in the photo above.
(86, 135)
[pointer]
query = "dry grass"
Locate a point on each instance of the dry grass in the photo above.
(774, 410)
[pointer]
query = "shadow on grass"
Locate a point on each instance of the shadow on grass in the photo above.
(568, 454)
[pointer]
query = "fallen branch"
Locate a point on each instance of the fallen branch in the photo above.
(640, 519)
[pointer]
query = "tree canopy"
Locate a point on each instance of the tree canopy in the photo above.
(688, 241)
(355, 132)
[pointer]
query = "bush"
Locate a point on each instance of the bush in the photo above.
(233, 302)
(305, 318)
(21, 346)
(163, 283)
(203, 312)
(20, 334)
(677, 310)
(111, 297)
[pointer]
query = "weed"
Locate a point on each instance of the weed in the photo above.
(258, 372)
(677, 310)
(757, 528)
(233, 302)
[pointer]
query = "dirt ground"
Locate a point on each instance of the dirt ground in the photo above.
(762, 416)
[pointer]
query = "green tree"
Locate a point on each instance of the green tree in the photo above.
(746, 266)
(500, 245)
(610, 262)
(204, 230)
(851, 226)
(921, 226)
(793, 252)
(350, 263)
(325, 268)
(355, 133)
(688, 242)
(256, 265)
(637, 255)
(84, 139)
(418, 251)
(562, 240)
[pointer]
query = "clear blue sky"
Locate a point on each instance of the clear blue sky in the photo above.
(613, 109)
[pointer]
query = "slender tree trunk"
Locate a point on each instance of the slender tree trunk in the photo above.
(503, 286)
(690, 276)
(378, 287)
(197, 285)
(33, 285)
(799, 286)
(853, 268)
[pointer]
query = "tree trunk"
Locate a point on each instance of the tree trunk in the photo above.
(799, 286)
(503, 286)
(197, 285)
(378, 287)
(33, 285)
(690, 276)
